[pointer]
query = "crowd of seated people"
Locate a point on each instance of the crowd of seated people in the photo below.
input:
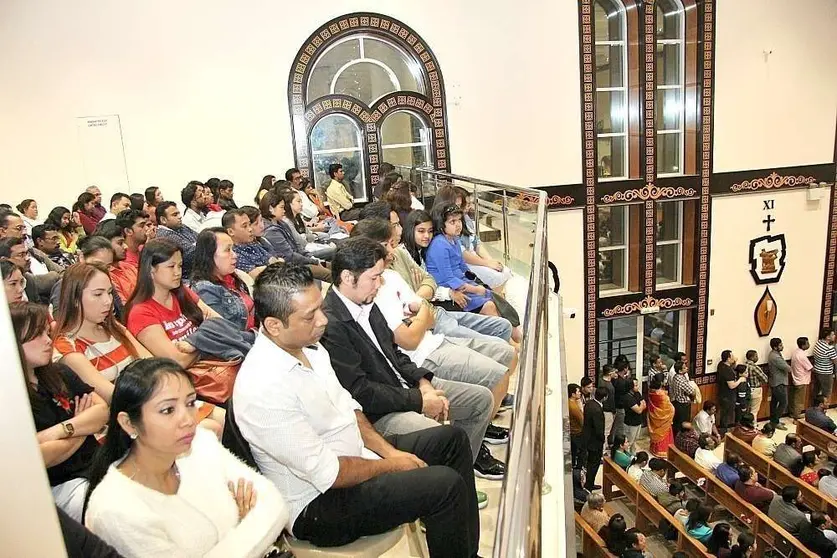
(363, 408)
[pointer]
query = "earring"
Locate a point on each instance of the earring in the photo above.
(133, 435)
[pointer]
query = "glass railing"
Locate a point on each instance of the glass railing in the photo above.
(511, 223)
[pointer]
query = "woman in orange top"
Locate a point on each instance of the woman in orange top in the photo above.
(660, 415)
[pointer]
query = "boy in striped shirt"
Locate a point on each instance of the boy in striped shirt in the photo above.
(825, 360)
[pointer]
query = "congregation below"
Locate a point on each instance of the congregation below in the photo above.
(698, 468)
(205, 377)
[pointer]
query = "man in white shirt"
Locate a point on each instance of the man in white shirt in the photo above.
(398, 396)
(309, 208)
(119, 202)
(704, 421)
(342, 479)
(196, 215)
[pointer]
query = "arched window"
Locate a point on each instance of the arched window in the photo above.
(611, 89)
(365, 89)
(670, 111)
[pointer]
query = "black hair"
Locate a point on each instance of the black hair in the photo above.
(790, 493)
(89, 245)
(24, 205)
(823, 473)
(600, 394)
(740, 369)
(269, 200)
(774, 343)
(607, 369)
(747, 419)
(137, 202)
(732, 459)
(379, 209)
(745, 473)
(725, 354)
(385, 168)
(414, 219)
(134, 387)
(572, 388)
(109, 228)
(203, 259)
(225, 185)
(289, 174)
(751, 354)
(678, 366)
(288, 195)
(615, 534)
(768, 429)
(440, 214)
(118, 196)
(228, 220)
(703, 440)
(30, 320)
(657, 464)
(825, 332)
(656, 383)
(791, 439)
(251, 212)
(83, 199)
(618, 440)
(745, 543)
(709, 404)
(150, 194)
(586, 381)
(4, 218)
(632, 537)
(128, 218)
(355, 255)
(7, 244)
(333, 168)
(819, 400)
(719, 538)
(7, 268)
(375, 228)
(675, 488)
(187, 194)
(817, 519)
(39, 231)
(156, 252)
(55, 216)
(699, 517)
(275, 288)
(801, 342)
(213, 184)
(266, 184)
(160, 212)
(640, 457)
(398, 196)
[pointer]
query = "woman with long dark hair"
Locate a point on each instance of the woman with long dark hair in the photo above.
(85, 208)
(746, 546)
(719, 540)
(698, 523)
(162, 310)
(215, 281)
(153, 198)
(160, 486)
(69, 229)
(88, 339)
(293, 220)
(267, 183)
(67, 412)
(14, 283)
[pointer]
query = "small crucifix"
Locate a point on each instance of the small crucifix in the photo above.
(770, 220)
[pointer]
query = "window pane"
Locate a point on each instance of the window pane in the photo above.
(325, 68)
(610, 112)
(336, 139)
(612, 272)
(668, 64)
(617, 337)
(668, 109)
(612, 156)
(668, 221)
(661, 333)
(608, 21)
(415, 156)
(668, 263)
(612, 223)
(405, 69)
(609, 66)
(403, 127)
(668, 153)
(365, 81)
(669, 19)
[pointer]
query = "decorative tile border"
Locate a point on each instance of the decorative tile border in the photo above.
(304, 111)
(648, 193)
(649, 42)
(707, 93)
(773, 180)
(646, 303)
(831, 256)
(588, 120)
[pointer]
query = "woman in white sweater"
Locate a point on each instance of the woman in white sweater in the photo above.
(160, 486)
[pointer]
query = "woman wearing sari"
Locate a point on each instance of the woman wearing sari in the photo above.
(660, 415)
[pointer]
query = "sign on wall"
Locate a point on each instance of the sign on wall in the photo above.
(102, 152)
(767, 263)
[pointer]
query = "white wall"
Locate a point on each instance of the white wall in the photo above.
(733, 294)
(777, 109)
(200, 87)
(566, 251)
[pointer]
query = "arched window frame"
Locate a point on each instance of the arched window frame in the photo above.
(426, 122)
(430, 106)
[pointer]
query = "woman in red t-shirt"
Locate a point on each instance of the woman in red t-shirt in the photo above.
(215, 281)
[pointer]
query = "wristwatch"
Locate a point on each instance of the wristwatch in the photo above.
(69, 429)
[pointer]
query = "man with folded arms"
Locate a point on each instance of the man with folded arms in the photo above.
(342, 479)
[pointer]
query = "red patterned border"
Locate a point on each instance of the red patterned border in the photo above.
(707, 60)
(649, 27)
(773, 180)
(431, 106)
(588, 119)
(648, 192)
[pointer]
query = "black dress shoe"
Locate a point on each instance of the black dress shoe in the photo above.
(487, 467)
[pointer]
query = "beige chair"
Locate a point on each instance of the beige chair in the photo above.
(366, 547)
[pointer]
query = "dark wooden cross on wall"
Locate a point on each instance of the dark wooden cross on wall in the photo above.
(768, 206)
(770, 220)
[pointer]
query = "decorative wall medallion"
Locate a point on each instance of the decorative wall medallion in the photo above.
(648, 192)
(767, 258)
(765, 313)
(772, 181)
(647, 303)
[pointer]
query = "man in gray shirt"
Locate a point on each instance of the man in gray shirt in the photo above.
(778, 370)
(784, 511)
(788, 455)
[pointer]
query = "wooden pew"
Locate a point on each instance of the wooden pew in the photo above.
(592, 544)
(778, 477)
(768, 533)
(648, 509)
(817, 437)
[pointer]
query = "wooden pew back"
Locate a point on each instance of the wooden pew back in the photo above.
(778, 477)
(768, 533)
(817, 437)
(592, 544)
(648, 509)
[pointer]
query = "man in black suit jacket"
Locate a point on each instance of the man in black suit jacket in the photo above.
(593, 436)
(397, 396)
